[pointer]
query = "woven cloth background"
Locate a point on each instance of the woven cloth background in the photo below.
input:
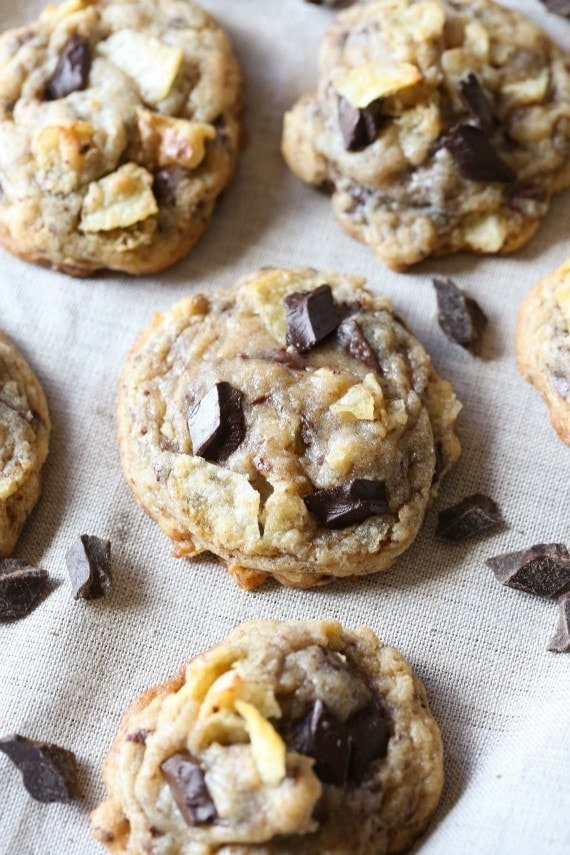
(69, 669)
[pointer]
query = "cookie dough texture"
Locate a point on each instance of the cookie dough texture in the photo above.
(403, 194)
(24, 436)
(123, 171)
(267, 796)
(313, 421)
(543, 344)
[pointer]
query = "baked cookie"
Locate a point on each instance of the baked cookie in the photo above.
(24, 436)
(438, 125)
(119, 127)
(287, 737)
(291, 425)
(543, 344)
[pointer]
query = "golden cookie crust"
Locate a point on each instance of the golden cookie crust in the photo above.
(264, 791)
(123, 172)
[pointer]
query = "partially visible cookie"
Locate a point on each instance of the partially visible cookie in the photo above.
(24, 436)
(543, 344)
(292, 425)
(439, 126)
(119, 127)
(286, 737)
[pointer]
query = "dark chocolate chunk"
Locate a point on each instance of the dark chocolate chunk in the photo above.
(561, 383)
(360, 127)
(543, 569)
(460, 317)
(216, 423)
(558, 7)
(166, 182)
(185, 777)
(89, 567)
(348, 504)
(370, 734)
(48, 771)
(560, 641)
(476, 102)
(469, 517)
(475, 157)
(355, 343)
(72, 69)
(323, 736)
(310, 317)
(21, 587)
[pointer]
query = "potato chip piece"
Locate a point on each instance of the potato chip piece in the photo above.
(484, 232)
(118, 200)
(531, 90)
(166, 141)
(267, 747)
(363, 400)
(59, 152)
(151, 64)
(364, 84)
(267, 291)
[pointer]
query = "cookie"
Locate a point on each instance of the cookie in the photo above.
(291, 425)
(286, 737)
(439, 126)
(119, 127)
(543, 344)
(24, 436)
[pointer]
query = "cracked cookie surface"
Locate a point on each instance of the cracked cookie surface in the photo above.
(438, 125)
(230, 756)
(302, 464)
(119, 127)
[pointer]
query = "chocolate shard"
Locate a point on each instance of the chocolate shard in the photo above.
(21, 588)
(469, 517)
(560, 641)
(460, 317)
(166, 182)
(49, 772)
(89, 567)
(477, 103)
(323, 736)
(216, 423)
(543, 569)
(475, 157)
(370, 733)
(185, 777)
(360, 126)
(349, 504)
(72, 69)
(354, 342)
(558, 7)
(310, 316)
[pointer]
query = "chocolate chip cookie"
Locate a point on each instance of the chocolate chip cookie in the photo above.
(286, 737)
(439, 125)
(543, 344)
(292, 425)
(119, 126)
(24, 437)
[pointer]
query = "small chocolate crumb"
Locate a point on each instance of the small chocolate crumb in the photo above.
(320, 734)
(185, 777)
(330, 3)
(139, 737)
(469, 517)
(49, 772)
(558, 7)
(310, 317)
(89, 567)
(360, 127)
(460, 317)
(543, 569)
(355, 343)
(477, 103)
(21, 587)
(72, 69)
(370, 734)
(348, 504)
(216, 423)
(560, 641)
(475, 157)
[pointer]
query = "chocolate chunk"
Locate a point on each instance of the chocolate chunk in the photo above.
(360, 127)
(561, 383)
(355, 343)
(558, 7)
(543, 569)
(560, 641)
(21, 587)
(469, 517)
(310, 317)
(89, 567)
(460, 317)
(185, 778)
(323, 736)
(72, 69)
(348, 504)
(166, 182)
(216, 423)
(476, 102)
(370, 734)
(475, 156)
(48, 771)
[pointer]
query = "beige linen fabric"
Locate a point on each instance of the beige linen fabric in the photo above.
(68, 671)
